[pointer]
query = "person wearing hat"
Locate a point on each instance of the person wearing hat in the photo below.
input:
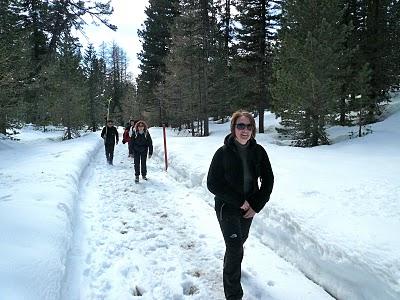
(110, 137)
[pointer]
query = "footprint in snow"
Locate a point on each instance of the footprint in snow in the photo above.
(189, 245)
(6, 198)
(189, 288)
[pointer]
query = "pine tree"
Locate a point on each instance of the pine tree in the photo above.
(361, 90)
(376, 28)
(65, 87)
(205, 9)
(393, 43)
(375, 53)
(221, 87)
(195, 68)
(374, 43)
(180, 90)
(257, 21)
(94, 81)
(33, 33)
(13, 62)
(106, 84)
(155, 37)
(306, 69)
(117, 76)
(130, 109)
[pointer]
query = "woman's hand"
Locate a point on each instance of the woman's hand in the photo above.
(247, 208)
(245, 205)
(250, 213)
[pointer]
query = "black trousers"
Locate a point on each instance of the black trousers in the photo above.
(130, 148)
(139, 160)
(109, 152)
(235, 230)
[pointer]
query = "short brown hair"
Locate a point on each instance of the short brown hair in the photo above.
(242, 113)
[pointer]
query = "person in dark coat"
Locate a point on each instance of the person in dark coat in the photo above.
(110, 137)
(142, 146)
(233, 177)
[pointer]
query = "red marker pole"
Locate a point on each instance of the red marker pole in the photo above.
(165, 148)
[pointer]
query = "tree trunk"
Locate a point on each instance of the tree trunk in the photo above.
(342, 120)
(262, 71)
(204, 92)
(69, 135)
(227, 28)
(374, 30)
(3, 122)
(315, 131)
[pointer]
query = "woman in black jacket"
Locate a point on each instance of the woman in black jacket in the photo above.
(141, 145)
(234, 175)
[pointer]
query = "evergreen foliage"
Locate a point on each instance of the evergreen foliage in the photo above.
(313, 63)
(13, 62)
(156, 39)
(307, 68)
(257, 22)
(43, 77)
(181, 88)
(197, 68)
(95, 80)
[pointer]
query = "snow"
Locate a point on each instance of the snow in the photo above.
(72, 227)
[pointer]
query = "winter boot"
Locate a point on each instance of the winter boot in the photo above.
(136, 179)
(144, 177)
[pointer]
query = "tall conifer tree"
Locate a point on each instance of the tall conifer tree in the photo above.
(195, 65)
(95, 94)
(155, 37)
(14, 61)
(255, 34)
(307, 69)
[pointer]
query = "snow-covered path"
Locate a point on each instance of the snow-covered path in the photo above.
(137, 240)
(160, 240)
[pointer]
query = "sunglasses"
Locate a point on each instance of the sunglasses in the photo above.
(242, 126)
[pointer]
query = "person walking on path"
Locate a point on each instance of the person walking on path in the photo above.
(233, 177)
(110, 137)
(142, 146)
(127, 139)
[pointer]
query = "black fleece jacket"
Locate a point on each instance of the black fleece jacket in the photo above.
(225, 176)
(110, 134)
(142, 142)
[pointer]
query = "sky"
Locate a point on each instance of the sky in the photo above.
(73, 227)
(128, 16)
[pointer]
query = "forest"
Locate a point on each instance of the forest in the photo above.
(313, 63)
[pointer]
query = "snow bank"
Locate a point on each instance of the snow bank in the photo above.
(37, 194)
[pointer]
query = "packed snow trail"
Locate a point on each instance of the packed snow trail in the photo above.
(138, 242)
(160, 240)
